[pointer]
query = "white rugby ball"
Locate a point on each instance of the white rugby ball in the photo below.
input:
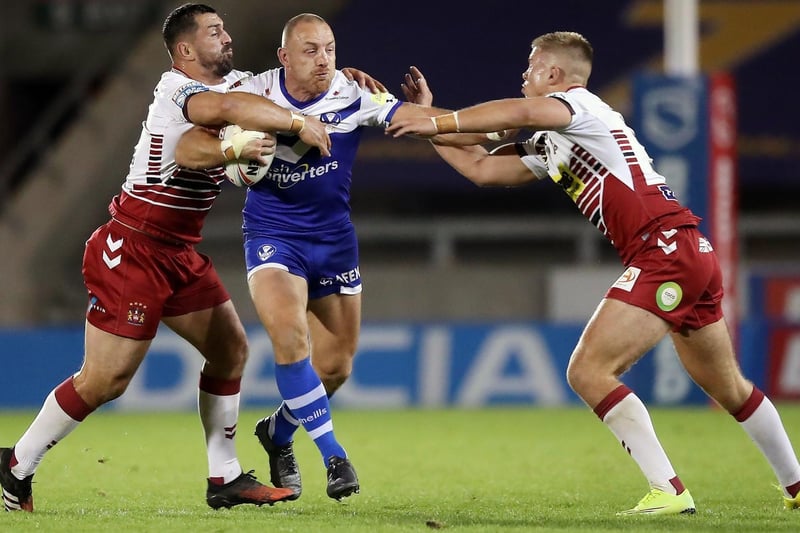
(243, 172)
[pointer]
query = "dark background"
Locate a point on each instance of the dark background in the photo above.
(468, 55)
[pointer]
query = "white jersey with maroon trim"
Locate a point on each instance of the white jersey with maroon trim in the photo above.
(159, 197)
(599, 163)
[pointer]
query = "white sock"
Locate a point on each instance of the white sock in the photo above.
(765, 427)
(50, 426)
(631, 424)
(219, 415)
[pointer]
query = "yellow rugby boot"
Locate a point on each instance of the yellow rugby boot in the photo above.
(659, 502)
(792, 503)
(789, 503)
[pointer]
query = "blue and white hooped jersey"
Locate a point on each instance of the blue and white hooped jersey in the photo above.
(304, 191)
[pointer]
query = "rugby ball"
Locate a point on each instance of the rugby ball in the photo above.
(243, 172)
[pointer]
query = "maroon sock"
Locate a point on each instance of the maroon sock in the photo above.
(676, 482)
(71, 402)
(612, 399)
(749, 405)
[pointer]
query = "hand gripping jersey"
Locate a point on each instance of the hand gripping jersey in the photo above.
(302, 190)
(599, 163)
(159, 197)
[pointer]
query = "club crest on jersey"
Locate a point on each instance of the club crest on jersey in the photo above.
(667, 192)
(136, 313)
(265, 251)
(331, 117)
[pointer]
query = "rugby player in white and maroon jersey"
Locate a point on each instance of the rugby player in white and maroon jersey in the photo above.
(672, 283)
(141, 268)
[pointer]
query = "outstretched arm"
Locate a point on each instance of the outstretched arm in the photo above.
(500, 167)
(540, 113)
(253, 112)
(462, 151)
(417, 91)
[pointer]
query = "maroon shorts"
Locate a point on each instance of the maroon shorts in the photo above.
(677, 277)
(134, 280)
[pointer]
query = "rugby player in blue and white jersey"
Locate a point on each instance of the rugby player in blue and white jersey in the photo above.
(300, 245)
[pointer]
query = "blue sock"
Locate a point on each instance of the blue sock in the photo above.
(283, 424)
(304, 394)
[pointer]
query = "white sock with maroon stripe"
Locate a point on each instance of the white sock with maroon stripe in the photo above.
(218, 405)
(61, 412)
(627, 417)
(761, 421)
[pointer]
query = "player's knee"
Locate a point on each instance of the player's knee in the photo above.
(334, 374)
(100, 391)
(579, 376)
(573, 378)
(333, 381)
(117, 389)
(730, 396)
(238, 351)
(289, 343)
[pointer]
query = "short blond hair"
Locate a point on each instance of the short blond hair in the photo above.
(572, 45)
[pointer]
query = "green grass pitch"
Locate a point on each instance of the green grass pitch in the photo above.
(504, 469)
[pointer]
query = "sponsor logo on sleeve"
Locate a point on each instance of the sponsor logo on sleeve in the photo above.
(667, 192)
(381, 98)
(185, 91)
(705, 246)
